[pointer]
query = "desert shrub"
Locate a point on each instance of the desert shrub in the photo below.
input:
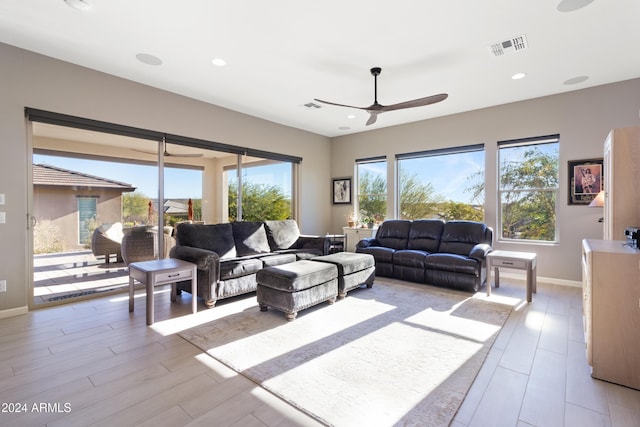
(47, 237)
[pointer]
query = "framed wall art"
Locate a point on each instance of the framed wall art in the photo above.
(585, 180)
(341, 189)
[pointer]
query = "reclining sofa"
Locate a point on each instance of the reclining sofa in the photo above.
(229, 255)
(450, 254)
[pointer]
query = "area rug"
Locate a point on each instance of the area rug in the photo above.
(395, 354)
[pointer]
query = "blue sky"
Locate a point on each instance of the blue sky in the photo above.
(448, 174)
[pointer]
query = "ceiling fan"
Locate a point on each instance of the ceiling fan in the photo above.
(376, 108)
(167, 154)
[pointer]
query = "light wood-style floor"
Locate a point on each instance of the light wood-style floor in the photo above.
(94, 363)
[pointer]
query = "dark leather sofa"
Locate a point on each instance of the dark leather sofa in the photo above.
(434, 252)
(229, 255)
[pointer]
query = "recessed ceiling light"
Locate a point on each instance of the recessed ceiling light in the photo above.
(571, 5)
(219, 62)
(78, 4)
(576, 80)
(518, 76)
(148, 59)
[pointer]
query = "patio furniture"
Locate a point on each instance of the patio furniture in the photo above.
(141, 244)
(107, 240)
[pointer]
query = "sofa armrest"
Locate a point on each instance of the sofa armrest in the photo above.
(202, 258)
(321, 243)
(367, 242)
(480, 251)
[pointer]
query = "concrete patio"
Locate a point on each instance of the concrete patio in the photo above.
(70, 275)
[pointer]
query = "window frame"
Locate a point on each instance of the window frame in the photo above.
(435, 153)
(523, 142)
(358, 164)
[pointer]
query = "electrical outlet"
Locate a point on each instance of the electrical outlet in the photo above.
(3, 286)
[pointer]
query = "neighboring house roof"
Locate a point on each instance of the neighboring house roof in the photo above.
(174, 207)
(55, 176)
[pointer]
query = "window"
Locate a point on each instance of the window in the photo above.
(528, 188)
(266, 191)
(446, 183)
(87, 209)
(372, 189)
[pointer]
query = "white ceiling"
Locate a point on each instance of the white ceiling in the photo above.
(282, 54)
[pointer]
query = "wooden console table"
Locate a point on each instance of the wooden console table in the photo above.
(517, 260)
(161, 272)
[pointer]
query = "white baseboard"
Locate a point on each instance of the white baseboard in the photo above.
(549, 280)
(12, 312)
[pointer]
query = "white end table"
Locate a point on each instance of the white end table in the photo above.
(161, 272)
(517, 260)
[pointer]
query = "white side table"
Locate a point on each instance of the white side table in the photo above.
(354, 234)
(518, 260)
(161, 272)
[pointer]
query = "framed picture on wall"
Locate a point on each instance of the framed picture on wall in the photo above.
(585, 180)
(341, 191)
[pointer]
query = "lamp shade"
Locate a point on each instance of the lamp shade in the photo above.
(598, 202)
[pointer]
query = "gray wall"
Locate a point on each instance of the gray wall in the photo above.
(31, 80)
(583, 119)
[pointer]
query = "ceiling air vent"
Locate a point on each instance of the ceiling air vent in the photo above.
(312, 105)
(512, 45)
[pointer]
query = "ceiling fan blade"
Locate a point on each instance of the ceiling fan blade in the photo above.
(373, 116)
(144, 151)
(377, 108)
(339, 105)
(420, 102)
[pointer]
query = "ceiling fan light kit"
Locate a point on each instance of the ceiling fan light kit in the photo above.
(377, 108)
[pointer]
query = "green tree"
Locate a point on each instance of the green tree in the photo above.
(135, 207)
(417, 199)
(372, 196)
(259, 202)
(528, 191)
(451, 210)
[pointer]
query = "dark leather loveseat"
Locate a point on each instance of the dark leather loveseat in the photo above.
(229, 255)
(435, 252)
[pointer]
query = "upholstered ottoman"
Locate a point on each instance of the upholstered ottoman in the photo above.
(354, 270)
(296, 286)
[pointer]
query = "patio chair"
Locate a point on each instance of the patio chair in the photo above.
(140, 243)
(107, 240)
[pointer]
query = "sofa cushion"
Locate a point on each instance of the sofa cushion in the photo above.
(278, 259)
(425, 234)
(348, 262)
(453, 263)
(250, 238)
(394, 234)
(459, 237)
(380, 253)
(282, 234)
(297, 275)
(213, 237)
(410, 258)
(238, 267)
